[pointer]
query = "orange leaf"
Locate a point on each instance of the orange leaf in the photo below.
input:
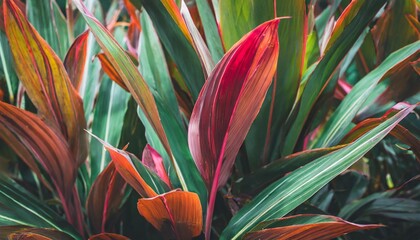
(108, 236)
(111, 71)
(132, 12)
(46, 81)
(125, 167)
(175, 212)
(76, 58)
(326, 230)
(29, 233)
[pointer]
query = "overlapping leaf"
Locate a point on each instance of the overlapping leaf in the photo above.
(76, 58)
(104, 198)
(45, 79)
(18, 232)
(177, 213)
(326, 67)
(287, 193)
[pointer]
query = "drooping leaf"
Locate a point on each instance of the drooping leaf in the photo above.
(307, 227)
(177, 213)
(76, 58)
(326, 68)
(289, 192)
(19, 207)
(45, 79)
(336, 126)
(104, 198)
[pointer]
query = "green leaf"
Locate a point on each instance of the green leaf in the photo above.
(19, 207)
(336, 126)
(326, 68)
(177, 41)
(48, 19)
(211, 30)
(289, 192)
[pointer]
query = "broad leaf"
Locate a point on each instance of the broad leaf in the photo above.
(45, 79)
(289, 192)
(108, 236)
(177, 213)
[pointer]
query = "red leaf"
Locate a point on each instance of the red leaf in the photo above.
(230, 100)
(105, 197)
(76, 58)
(175, 212)
(111, 71)
(152, 159)
(132, 12)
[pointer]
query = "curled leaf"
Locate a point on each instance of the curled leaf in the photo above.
(76, 58)
(152, 159)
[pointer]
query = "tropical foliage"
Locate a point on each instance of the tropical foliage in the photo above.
(221, 119)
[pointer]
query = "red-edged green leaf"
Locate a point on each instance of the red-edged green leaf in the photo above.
(108, 236)
(110, 70)
(283, 196)
(21, 232)
(36, 143)
(76, 58)
(307, 227)
(45, 79)
(152, 159)
(399, 132)
(262, 177)
(229, 102)
(104, 198)
(176, 213)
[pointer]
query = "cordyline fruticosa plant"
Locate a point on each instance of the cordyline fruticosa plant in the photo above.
(222, 119)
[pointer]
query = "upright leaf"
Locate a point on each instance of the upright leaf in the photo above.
(327, 66)
(76, 58)
(45, 79)
(228, 104)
